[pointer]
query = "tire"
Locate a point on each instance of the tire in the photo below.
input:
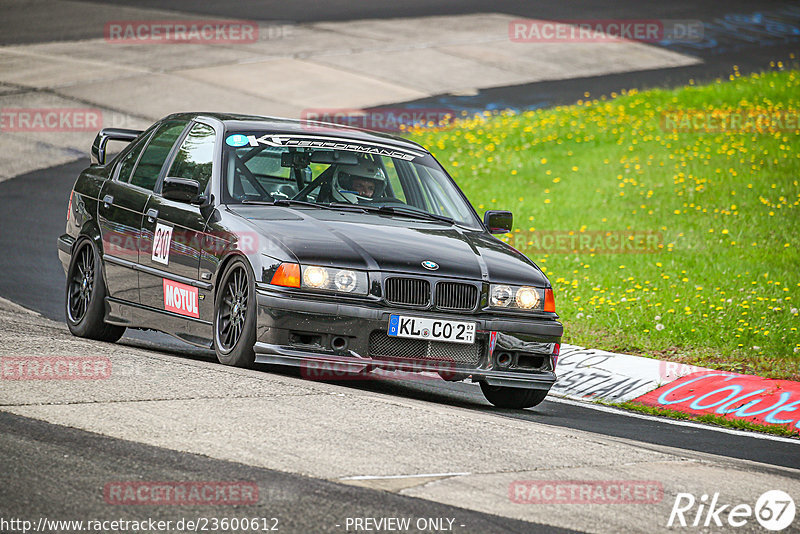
(235, 316)
(85, 295)
(514, 398)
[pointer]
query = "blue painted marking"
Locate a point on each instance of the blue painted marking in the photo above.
(237, 140)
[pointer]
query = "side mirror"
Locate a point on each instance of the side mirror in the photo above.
(498, 221)
(181, 189)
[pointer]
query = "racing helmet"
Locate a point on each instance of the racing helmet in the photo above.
(342, 188)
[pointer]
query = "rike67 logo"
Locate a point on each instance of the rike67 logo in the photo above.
(774, 510)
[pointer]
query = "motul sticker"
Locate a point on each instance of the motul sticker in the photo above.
(180, 298)
(162, 238)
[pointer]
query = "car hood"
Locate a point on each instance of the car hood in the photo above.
(388, 243)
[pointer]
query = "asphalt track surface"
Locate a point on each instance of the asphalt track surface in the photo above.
(751, 49)
(25, 22)
(80, 464)
(33, 217)
(32, 210)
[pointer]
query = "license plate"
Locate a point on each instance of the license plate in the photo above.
(431, 329)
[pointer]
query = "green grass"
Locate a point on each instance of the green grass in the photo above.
(721, 289)
(737, 424)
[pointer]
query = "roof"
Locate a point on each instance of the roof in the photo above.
(238, 123)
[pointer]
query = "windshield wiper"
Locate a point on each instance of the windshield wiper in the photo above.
(391, 210)
(387, 210)
(292, 202)
(286, 202)
(416, 213)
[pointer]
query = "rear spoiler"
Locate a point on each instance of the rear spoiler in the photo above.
(115, 134)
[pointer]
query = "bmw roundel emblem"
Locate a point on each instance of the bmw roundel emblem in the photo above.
(430, 265)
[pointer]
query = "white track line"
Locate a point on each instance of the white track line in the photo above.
(667, 420)
(386, 477)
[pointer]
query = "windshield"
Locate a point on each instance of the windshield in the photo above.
(359, 175)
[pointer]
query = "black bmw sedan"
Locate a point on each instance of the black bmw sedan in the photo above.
(304, 244)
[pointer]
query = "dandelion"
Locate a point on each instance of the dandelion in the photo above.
(659, 327)
(657, 317)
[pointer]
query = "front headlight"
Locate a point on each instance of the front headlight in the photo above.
(316, 277)
(521, 298)
(528, 298)
(321, 278)
(501, 296)
(332, 279)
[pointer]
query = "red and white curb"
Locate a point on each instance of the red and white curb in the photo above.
(588, 374)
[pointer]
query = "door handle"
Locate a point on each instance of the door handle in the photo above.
(152, 215)
(107, 201)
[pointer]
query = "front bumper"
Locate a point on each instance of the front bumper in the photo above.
(349, 336)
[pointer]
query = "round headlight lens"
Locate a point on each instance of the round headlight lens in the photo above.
(501, 296)
(316, 277)
(345, 281)
(528, 298)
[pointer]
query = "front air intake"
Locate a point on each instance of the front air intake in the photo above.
(408, 291)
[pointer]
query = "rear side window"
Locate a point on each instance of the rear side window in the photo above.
(129, 160)
(195, 157)
(153, 157)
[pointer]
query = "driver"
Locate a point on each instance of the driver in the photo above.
(352, 183)
(363, 186)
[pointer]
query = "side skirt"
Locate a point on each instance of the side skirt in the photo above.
(188, 329)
